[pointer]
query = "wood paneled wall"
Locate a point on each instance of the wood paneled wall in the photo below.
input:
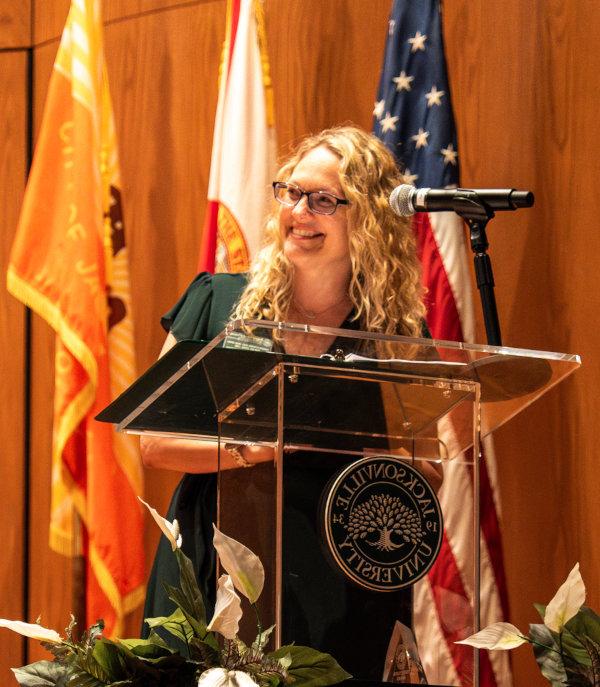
(13, 137)
(523, 74)
(14, 40)
(520, 71)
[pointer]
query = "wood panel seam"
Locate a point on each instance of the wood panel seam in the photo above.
(135, 15)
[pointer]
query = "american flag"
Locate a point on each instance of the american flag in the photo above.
(413, 116)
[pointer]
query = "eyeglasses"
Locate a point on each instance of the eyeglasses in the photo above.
(321, 202)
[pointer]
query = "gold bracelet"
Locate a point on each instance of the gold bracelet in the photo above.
(235, 450)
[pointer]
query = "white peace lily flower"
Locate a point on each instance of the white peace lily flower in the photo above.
(169, 529)
(496, 636)
(566, 602)
(228, 609)
(221, 677)
(245, 568)
(35, 631)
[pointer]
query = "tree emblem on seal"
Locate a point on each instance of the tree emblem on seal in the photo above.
(382, 523)
(385, 516)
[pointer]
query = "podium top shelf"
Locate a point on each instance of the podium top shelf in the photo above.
(368, 392)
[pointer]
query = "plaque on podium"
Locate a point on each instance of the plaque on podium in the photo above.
(345, 518)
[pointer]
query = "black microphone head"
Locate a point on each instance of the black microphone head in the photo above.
(401, 200)
(521, 199)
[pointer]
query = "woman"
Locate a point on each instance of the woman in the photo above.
(334, 255)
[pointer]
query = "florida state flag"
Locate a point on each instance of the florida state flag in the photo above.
(69, 264)
(243, 154)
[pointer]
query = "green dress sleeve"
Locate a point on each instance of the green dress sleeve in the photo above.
(205, 306)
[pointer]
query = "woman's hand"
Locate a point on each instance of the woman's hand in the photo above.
(188, 455)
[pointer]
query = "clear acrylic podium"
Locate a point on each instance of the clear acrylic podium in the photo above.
(428, 403)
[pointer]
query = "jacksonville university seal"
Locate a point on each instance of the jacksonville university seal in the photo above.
(382, 523)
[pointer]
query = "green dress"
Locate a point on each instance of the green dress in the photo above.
(200, 314)
(322, 608)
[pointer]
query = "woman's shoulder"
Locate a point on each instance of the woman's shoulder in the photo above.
(228, 280)
(207, 294)
(205, 282)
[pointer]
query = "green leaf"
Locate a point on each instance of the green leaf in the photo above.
(577, 678)
(81, 678)
(180, 600)
(285, 661)
(171, 662)
(135, 665)
(549, 661)
(311, 668)
(158, 640)
(60, 651)
(147, 648)
(176, 624)
(585, 623)
(574, 650)
(109, 659)
(593, 649)
(241, 646)
(541, 609)
(270, 680)
(42, 674)
(189, 587)
(205, 651)
(262, 639)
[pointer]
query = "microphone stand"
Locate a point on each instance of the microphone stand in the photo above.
(477, 214)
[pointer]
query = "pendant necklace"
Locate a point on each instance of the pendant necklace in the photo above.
(313, 314)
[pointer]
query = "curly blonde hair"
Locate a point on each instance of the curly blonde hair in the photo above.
(385, 284)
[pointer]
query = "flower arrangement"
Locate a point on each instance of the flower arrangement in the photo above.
(566, 646)
(216, 656)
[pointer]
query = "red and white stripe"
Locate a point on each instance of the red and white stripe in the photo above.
(443, 600)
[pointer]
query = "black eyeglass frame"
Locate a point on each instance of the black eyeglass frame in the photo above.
(309, 195)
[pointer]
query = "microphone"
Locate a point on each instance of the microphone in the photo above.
(405, 199)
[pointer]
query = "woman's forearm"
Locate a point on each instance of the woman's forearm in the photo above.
(188, 455)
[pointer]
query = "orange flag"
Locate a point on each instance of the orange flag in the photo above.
(69, 264)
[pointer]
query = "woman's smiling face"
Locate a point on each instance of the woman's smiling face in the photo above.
(310, 240)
